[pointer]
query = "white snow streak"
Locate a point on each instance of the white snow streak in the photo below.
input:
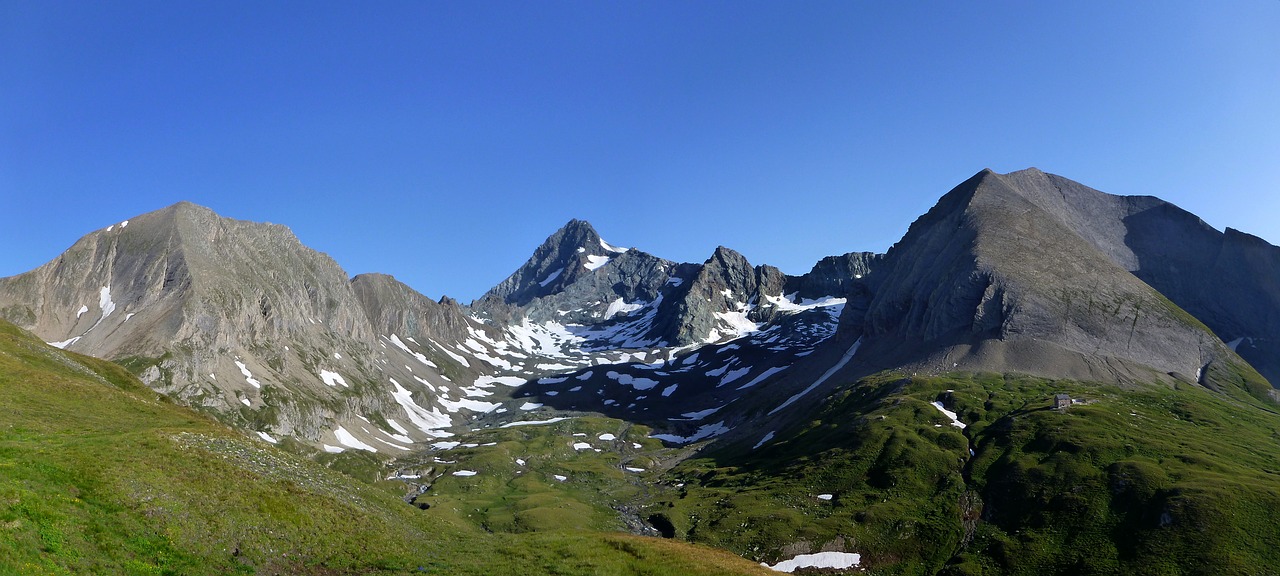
(105, 303)
(955, 421)
(829, 373)
(426, 421)
(765, 440)
(401, 345)
(248, 376)
(611, 248)
(837, 560)
(707, 431)
(551, 277)
(63, 344)
(762, 376)
(532, 422)
(346, 439)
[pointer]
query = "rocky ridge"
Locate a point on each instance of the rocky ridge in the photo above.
(1022, 272)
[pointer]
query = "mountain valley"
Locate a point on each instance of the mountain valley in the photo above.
(604, 410)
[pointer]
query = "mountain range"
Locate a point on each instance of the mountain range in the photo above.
(749, 382)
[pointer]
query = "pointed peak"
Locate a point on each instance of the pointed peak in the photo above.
(577, 237)
(728, 257)
(185, 207)
(574, 234)
(576, 226)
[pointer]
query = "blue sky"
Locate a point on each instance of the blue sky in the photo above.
(441, 142)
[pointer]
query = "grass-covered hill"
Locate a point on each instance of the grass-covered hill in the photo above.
(1152, 480)
(100, 475)
(1142, 480)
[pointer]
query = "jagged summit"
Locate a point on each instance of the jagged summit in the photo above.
(572, 251)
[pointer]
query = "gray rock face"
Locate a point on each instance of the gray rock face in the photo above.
(237, 318)
(395, 308)
(1229, 281)
(574, 277)
(1005, 258)
(840, 276)
(726, 290)
(572, 252)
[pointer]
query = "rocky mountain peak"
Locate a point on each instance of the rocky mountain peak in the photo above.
(572, 252)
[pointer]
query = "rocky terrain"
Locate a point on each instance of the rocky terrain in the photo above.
(1024, 272)
(703, 396)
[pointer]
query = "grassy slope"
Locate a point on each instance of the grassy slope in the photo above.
(1152, 481)
(99, 475)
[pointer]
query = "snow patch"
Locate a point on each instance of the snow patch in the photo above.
(401, 345)
(620, 306)
(267, 437)
(632, 381)
(788, 303)
(707, 431)
(701, 413)
(607, 437)
(762, 377)
(397, 426)
(593, 262)
(765, 440)
(734, 375)
(105, 303)
(511, 381)
(424, 420)
(81, 311)
(346, 439)
(551, 277)
(333, 378)
(836, 560)
(952, 415)
(248, 376)
(530, 406)
(533, 422)
(737, 323)
(465, 473)
(611, 248)
(63, 344)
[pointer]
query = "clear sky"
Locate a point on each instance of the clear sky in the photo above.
(441, 142)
